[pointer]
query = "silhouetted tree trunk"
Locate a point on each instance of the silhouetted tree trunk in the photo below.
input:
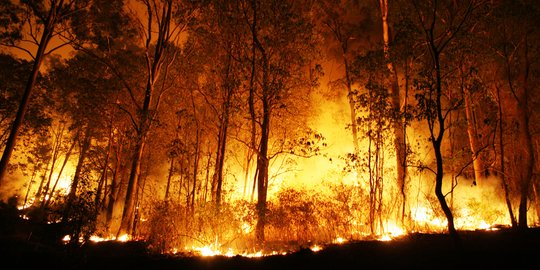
(438, 37)
(526, 157)
(51, 16)
(262, 176)
(84, 146)
(55, 155)
(262, 154)
(504, 181)
(196, 158)
(48, 30)
(155, 58)
(223, 128)
(169, 178)
(114, 189)
(66, 159)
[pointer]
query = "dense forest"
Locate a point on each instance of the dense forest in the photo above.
(248, 125)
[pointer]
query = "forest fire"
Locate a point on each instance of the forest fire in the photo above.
(253, 129)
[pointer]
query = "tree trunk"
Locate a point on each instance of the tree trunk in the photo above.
(133, 184)
(145, 114)
(48, 30)
(472, 132)
(436, 142)
(526, 157)
(525, 139)
(68, 154)
(114, 189)
(262, 176)
(398, 125)
(56, 152)
(169, 178)
(77, 176)
(196, 159)
(103, 179)
(222, 140)
(220, 159)
(504, 182)
(352, 106)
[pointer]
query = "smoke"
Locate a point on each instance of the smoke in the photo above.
(14, 185)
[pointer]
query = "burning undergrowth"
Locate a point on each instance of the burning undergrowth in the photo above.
(297, 218)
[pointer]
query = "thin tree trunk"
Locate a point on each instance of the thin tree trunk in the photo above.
(352, 105)
(398, 126)
(504, 182)
(77, 176)
(56, 152)
(527, 165)
(103, 178)
(220, 159)
(222, 140)
(472, 132)
(146, 115)
(436, 142)
(169, 177)
(68, 154)
(195, 169)
(29, 186)
(48, 30)
(126, 224)
(113, 195)
(525, 139)
(262, 177)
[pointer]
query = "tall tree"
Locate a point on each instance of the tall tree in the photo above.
(441, 22)
(344, 28)
(40, 18)
(516, 51)
(282, 41)
(222, 28)
(167, 20)
(399, 125)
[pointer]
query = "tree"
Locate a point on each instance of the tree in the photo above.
(375, 118)
(515, 53)
(167, 20)
(345, 26)
(399, 125)
(223, 77)
(282, 40)
(44, 18)
(441, 22)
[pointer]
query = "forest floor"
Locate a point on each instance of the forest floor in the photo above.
(499, 249)
(479, 249)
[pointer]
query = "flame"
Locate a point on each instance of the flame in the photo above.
(315, 248)
(210, 251)
(471, 207)
(340, 240)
